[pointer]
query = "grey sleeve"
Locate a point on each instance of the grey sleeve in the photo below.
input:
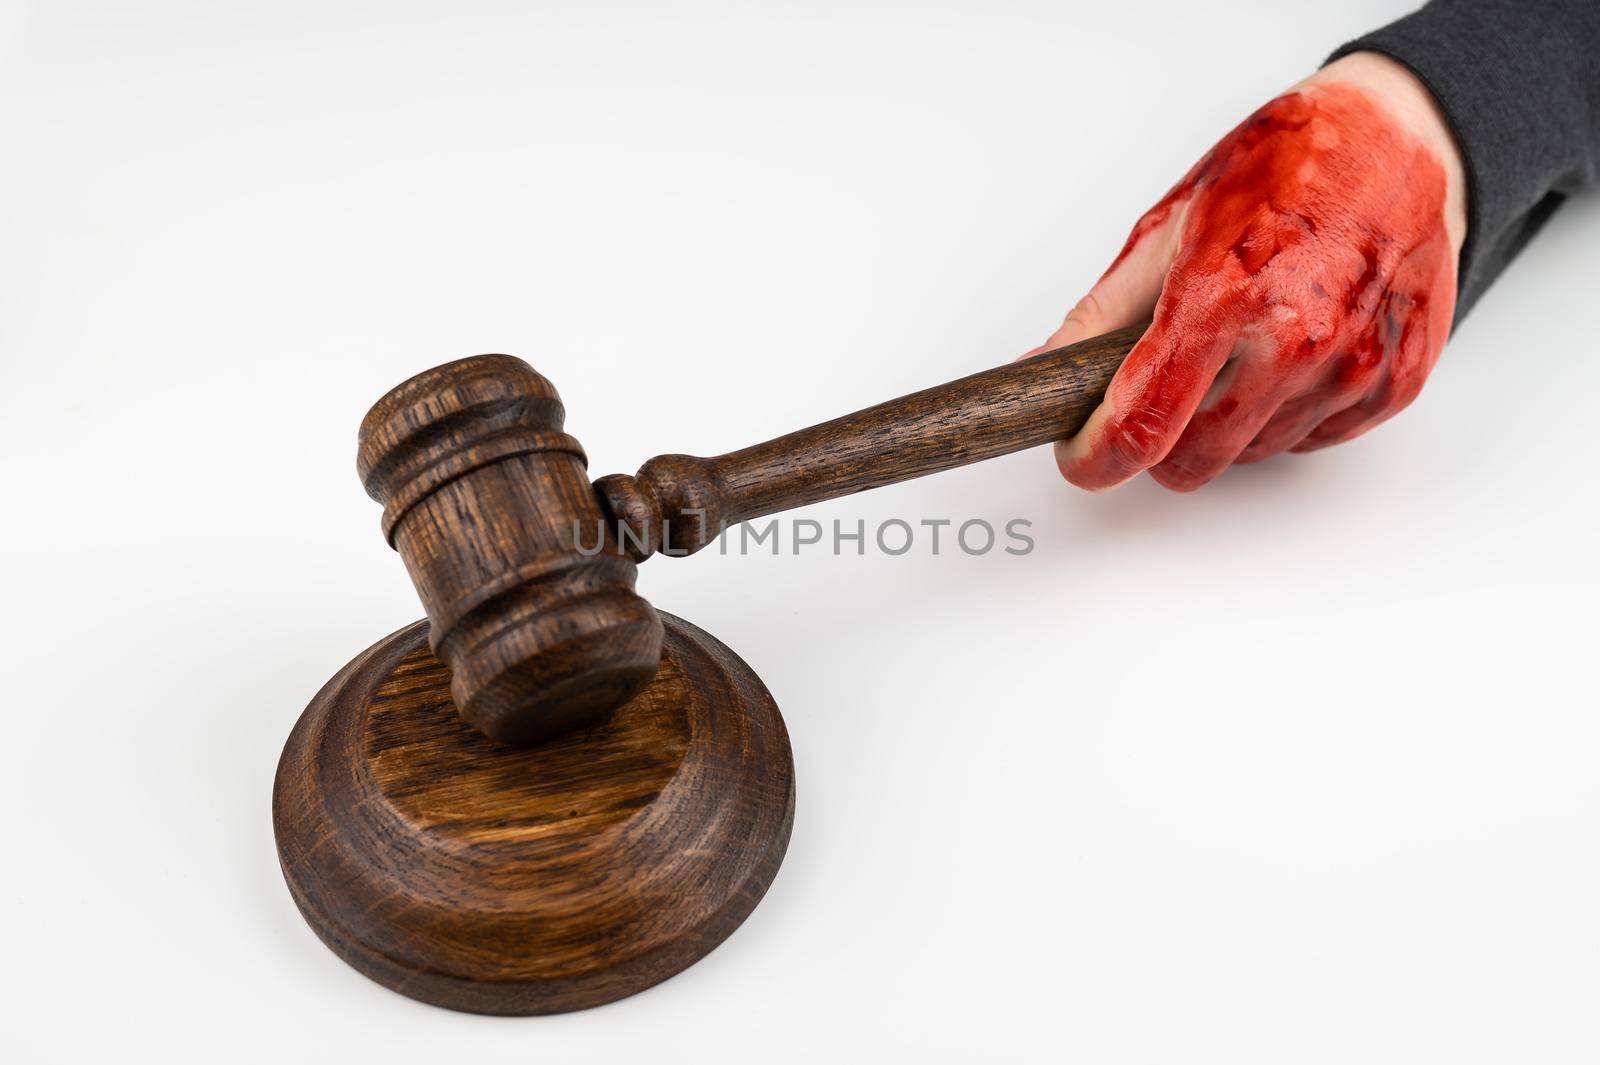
(1519, 81)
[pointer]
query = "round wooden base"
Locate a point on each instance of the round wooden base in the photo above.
(497, 880)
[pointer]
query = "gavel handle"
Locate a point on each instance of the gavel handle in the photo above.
(1009, 408)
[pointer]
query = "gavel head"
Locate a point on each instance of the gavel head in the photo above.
(488, 502)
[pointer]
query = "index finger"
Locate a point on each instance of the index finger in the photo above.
(1155, 392)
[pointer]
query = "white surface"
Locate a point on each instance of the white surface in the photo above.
(1297, 769)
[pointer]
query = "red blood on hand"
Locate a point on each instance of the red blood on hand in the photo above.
(1311, 291)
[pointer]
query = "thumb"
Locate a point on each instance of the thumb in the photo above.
(1128, 292)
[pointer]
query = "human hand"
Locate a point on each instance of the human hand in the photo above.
(1301, 280)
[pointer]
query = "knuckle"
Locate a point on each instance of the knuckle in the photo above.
(1178, 480)
(1086, 315)
(1087, 310)
(1191, 464)
(1360, 364)
(1404, 388)
(1140, 438)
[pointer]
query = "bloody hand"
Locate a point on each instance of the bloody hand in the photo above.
(1301, 278)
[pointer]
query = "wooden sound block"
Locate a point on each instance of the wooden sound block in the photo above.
(538, 880)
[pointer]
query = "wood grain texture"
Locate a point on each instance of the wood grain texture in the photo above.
(517, 881)
(680, 503)
(527, 571)
(484, 498)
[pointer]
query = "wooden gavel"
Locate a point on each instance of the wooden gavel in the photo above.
(488, 502)
(565, 867)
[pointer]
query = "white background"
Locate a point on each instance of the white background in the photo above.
(1300, 768)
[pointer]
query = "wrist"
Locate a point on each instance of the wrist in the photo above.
(1407, 100)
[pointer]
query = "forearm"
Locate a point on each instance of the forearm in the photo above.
(1519, 82)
